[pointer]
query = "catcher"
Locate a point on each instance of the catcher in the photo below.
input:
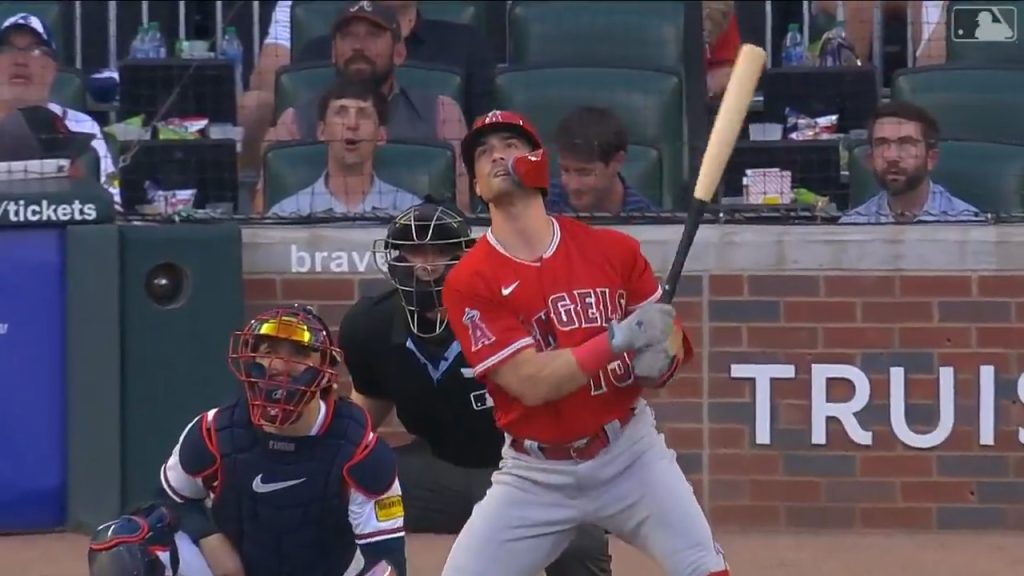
(297, 483)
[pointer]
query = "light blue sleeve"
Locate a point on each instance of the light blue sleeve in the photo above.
(960, 211)
(866, 213)
(298, 204)
(406, 200)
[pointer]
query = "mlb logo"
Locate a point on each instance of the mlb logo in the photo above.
(983, 24)
(481, 400)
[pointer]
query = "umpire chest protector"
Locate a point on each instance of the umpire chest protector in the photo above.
(283, 501)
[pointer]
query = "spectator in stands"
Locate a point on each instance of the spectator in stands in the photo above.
(722, 42)
(591, 144)
(367, 42)
(903, 152)
(256, 106)
(427, 41)
(451, 44)
(353, 116)
(28, 66)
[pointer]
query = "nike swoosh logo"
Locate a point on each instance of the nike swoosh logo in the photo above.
(506, 290)
(260, 488)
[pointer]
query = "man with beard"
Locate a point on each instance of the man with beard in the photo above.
(403, 358)
(903, 152)
(367, 41)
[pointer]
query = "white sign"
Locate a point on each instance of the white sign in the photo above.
(846, 412)
(338, 262)
(23, 211)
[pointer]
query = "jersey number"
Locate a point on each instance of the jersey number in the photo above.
(618, 373)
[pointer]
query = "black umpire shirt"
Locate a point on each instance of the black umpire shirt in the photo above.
(434, 393)
(449, 44)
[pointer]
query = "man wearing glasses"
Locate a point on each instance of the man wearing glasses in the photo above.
(904, 150)
(28, 67)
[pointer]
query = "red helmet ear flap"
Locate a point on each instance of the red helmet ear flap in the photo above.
(531, 169)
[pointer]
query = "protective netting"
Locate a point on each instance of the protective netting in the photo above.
(343, 111)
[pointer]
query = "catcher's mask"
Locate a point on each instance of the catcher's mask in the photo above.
(138, 544)
(285, 359)
(420, 247)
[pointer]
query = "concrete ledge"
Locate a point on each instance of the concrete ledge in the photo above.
(719, 248)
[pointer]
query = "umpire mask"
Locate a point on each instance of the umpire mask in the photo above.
(421, 246)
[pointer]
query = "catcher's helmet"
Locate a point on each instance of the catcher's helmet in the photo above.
(137, 544)
(420, 247)
(277, 385)
(532, 169)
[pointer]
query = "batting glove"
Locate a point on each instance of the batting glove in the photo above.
(649, 325)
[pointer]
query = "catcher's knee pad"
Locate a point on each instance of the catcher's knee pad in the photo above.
(137, 544)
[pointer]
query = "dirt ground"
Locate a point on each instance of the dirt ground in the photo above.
(749, 554)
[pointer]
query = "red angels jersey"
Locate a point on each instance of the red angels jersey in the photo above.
(499, 305)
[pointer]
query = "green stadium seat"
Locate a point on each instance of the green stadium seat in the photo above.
(981, 117)
(68, 89)
(420, 168)
(647, 101)
(315, 18)
(464, 12)
(297, 82)
(642, 169)
(962, 52)
(987, 175)
(615, 34)
(970, 102)
(912, 83)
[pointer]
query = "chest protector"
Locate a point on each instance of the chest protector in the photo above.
(283, 501)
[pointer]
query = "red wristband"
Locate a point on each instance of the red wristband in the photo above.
(594, 355)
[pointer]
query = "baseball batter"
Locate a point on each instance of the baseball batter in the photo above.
(297, 483)
(561, 321)
(404, 359)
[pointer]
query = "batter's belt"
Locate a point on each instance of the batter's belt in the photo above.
(582, 450)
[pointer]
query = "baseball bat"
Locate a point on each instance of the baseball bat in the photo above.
(746, 72)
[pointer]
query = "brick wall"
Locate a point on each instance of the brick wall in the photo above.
(918, 322)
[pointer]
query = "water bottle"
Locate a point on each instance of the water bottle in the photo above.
(793, 47)
(231, 50)
(139, 48)
(157, 45)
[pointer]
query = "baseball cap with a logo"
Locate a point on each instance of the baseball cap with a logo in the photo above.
(374, 12)
(36, 133)
(28, 22)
